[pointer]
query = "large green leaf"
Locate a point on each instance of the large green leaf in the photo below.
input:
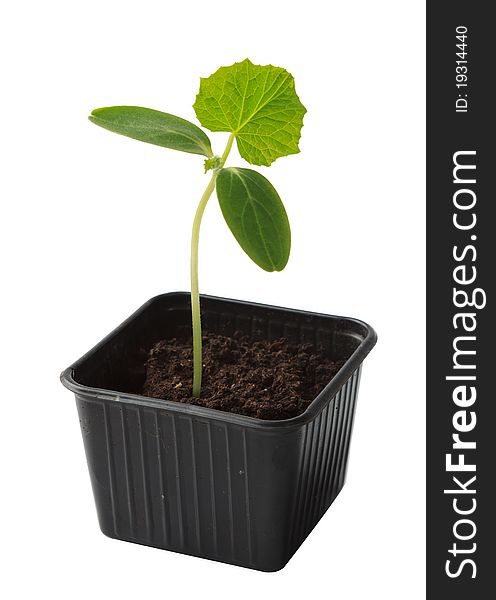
(256, 216)
(153, 127)
(256, 103)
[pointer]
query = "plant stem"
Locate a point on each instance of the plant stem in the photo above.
(195, 293)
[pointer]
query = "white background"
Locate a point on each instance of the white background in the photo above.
(93, 224)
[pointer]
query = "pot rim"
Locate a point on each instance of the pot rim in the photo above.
(313, 409)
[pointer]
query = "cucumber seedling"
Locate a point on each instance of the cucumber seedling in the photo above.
(258, 106)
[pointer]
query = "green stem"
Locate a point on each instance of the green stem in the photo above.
(195, 293)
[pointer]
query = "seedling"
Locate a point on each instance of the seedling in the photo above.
(258, 107)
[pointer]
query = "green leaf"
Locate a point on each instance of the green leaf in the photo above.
(153, 127)
(256, 103)
(256, 216)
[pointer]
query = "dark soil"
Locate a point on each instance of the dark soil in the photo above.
(267, 380)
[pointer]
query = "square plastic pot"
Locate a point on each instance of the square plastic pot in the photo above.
(204, 482)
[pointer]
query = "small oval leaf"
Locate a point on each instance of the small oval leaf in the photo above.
(256, 216)
(153, 127)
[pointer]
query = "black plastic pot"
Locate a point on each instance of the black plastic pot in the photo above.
(204, 482)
